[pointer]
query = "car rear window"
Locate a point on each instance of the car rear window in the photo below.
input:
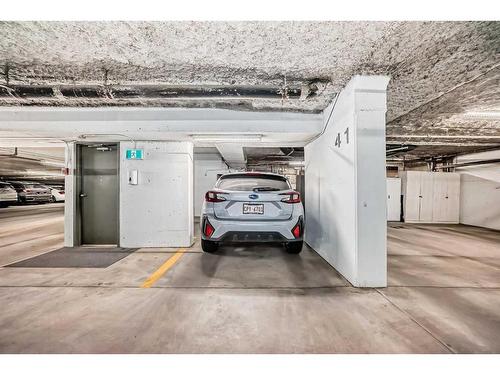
(248, 182)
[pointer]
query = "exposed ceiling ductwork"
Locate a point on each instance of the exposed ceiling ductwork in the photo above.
(148, 92)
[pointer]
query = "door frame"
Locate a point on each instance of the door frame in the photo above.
(78, 190)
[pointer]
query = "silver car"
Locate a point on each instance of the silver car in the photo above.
(31, 192)
(252, 207)
(8, 194)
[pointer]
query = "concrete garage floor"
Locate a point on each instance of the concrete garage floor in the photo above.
(444, 297)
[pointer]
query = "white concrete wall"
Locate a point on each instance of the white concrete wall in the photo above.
(479, 202)
(206, 168)
(486, 171)
(346, 184)
(158, 211)
(480, 191)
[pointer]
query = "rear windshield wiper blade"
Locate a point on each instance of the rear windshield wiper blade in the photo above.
(265, 188)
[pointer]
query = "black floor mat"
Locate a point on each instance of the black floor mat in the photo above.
(76, 257)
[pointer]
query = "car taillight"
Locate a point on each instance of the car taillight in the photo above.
(213, 196)
(208, 229)
(293, 197)
(297, 229)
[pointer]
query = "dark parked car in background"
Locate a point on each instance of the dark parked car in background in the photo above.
(31, 192)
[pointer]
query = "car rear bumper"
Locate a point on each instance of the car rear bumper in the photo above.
(243, 236)
(251, 231)
(8, 199)
(38, 198)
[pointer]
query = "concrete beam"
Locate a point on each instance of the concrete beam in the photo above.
(120, 124)
(233, 154)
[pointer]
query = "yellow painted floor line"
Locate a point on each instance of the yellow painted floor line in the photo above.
(164, 268)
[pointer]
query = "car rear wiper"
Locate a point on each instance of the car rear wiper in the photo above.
(265, 188)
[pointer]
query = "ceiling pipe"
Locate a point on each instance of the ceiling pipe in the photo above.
(112, 92)
(413, 136)
(397, 150)
(468, 163)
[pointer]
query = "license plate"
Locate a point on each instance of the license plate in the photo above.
(253, 208)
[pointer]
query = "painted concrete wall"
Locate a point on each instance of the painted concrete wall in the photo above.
(480, 191)
(346, 184)
(479, 202)
(206, 168)
(486, 171)
(157, 212)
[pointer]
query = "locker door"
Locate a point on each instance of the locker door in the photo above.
(393, 199)
(440, 210)
(453, 201)
(426, 197)
(412, 192)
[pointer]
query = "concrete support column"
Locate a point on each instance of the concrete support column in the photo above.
(233, 154)
(346, 184)
(70, 200)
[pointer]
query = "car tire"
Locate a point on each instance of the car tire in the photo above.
(53, 199)
(294, 247)
(209, 246)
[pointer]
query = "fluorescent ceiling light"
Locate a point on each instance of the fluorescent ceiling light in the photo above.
(296, 163)
(487, 115)
(227, 138)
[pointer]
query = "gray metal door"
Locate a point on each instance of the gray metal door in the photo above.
(99, 195)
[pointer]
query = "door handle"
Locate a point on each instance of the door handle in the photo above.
(83, 195)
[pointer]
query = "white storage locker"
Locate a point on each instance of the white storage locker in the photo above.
(446, 197)
(431, 197)
(411, 192)
(453, 195)
(393, 199)
(426, 197)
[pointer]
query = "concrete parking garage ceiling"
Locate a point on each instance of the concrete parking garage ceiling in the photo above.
(440, 71)
(32, 163)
